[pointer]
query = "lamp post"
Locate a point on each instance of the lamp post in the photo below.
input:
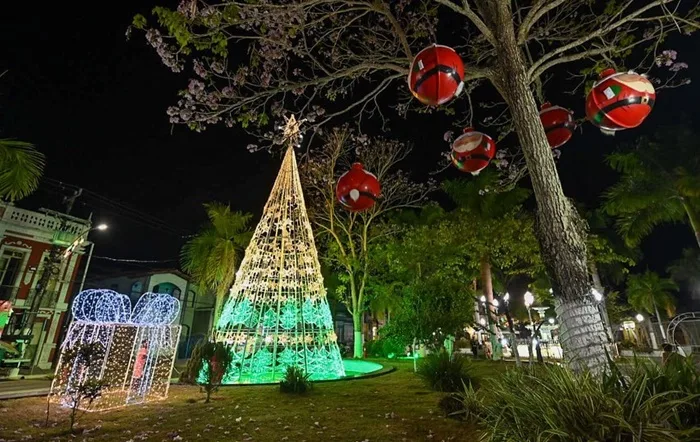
(101, 227)
(514, 342)
(652, 336)
(529, 300)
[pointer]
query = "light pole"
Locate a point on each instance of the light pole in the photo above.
(529, 300)
(514, 342)
(101, 227)
(652, 336)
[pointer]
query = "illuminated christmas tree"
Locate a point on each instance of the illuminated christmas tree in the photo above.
(277, 314)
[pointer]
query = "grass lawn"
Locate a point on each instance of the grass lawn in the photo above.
(393, 407)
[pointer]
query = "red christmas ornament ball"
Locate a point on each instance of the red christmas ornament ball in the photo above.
(357, 189)
(558, 124)
(620, 100)
(436, 75)
(473, 151)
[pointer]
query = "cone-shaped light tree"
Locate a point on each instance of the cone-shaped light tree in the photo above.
(277, 314)
(334, 57)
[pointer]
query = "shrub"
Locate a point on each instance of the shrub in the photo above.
(387, 347)
(451, 404)
(209, 362)
(553, 404)
(441, 373)
(295, 381)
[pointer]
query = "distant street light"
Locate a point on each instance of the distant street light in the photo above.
(639, 317)
(529, 300)
(483, 298)
(506, 297)
(102, 226)
(597, 295)
(551, 321)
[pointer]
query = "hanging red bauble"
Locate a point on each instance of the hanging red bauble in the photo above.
(436, 75)
(619, 101)
(558, 123)
(357, 189)
(473, 151)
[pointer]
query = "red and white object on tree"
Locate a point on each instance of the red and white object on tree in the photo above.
(619, 100)
(473, 151)
(436, 75)
(357, 190)
(558, 123)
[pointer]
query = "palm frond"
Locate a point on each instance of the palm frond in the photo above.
(648, 290)
(21, 166)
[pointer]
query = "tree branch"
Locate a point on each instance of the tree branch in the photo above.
(600, 32)
(533, 16)
(472, 16)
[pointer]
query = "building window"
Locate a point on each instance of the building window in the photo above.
(10, 270)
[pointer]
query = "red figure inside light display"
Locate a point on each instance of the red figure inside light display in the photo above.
(558, 124)
(436, 75)
(619, 101)
(357, 189)
(473, 151)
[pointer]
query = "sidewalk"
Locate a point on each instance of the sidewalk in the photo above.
(11, 389)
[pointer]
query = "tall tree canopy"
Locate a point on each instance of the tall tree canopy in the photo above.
(212, 256)
(347, 237)
(333, 58)
(656, 187)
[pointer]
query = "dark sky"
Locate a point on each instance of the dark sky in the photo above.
(95, 103)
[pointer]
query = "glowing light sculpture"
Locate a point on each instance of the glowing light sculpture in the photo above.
(277, 314)
(136, 348)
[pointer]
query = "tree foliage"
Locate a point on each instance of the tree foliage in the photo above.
(212, 256)
(346, 237)
(656, 187)
(21, 167)
(649, 292)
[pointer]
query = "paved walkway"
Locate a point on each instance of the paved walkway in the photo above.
(11, 389)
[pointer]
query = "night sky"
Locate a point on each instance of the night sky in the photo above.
(95, 103)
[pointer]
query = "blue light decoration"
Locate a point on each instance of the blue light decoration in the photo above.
(136, 348)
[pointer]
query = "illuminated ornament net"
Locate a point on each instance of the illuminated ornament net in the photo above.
(277, 314)
(135, 348)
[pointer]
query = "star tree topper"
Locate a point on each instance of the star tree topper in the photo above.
(291, 133)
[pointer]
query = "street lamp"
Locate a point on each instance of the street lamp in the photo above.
(529, 300)
(639, 317)
(551, 321)
(597, 295)
(483, 299)
(506, 297)
(102, 226)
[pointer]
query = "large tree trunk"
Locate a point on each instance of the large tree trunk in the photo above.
(487, 289)
(559, 229)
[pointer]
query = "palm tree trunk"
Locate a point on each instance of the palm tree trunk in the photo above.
(658, 318)
(694, 220)
(487, 288)
(560, 231)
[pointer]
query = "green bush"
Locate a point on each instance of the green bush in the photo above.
(295, 381)
(387, 347)
(441, 373)
(209, 363)
(639, 403)
(451, 404)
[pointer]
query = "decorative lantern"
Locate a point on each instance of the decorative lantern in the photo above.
(473, 151)
(558, 123)
(436, 75)
(619, 101)
(357, 189)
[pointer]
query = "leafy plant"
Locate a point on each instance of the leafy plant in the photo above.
(21, 166)
(209, 362)
(442, 373)
(633, 403)
(89, 387)
(295, 381)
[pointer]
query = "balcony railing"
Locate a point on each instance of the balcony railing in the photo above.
(48, 299)
(41, 221)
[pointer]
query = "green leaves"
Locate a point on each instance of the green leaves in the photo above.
(648, 291)
(21, 167)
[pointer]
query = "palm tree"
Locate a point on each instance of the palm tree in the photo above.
(21, 166)
(660, 183)
(648, 291)
(214, 254)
